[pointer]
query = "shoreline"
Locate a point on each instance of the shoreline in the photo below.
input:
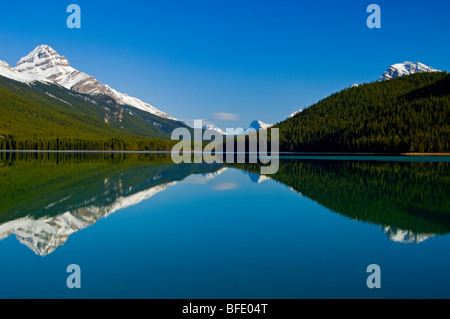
(247, 153)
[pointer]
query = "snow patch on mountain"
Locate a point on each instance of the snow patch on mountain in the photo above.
(295, 113)
(56, 98)
(8, 72)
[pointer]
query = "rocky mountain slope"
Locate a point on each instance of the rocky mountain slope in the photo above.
(45, 64)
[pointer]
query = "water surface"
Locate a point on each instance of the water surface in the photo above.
(140, 226)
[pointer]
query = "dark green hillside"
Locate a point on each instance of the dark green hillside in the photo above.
(141, 120)
(41, 117)
(105, 109)
(408, 114)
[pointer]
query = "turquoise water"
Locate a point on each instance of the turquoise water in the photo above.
(141, 227)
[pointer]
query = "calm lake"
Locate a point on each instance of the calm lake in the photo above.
(140, 226)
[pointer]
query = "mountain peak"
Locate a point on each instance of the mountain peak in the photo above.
(210, 126)
(42, 58)
(406, 68)
(43, 48)
(258, 125)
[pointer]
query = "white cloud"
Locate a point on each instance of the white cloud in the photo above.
(226, 116)
(225, 186)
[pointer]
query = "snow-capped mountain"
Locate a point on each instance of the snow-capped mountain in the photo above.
(46, 65)
(258, 125)
(405, 68)
(395, 71)
(213, 127)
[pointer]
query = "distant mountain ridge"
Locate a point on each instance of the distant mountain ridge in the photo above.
(210, 126)
(254, 126)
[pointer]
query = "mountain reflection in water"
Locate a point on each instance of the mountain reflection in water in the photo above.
(46, 197)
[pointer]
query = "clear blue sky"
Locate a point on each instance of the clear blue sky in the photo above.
(256, 59)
